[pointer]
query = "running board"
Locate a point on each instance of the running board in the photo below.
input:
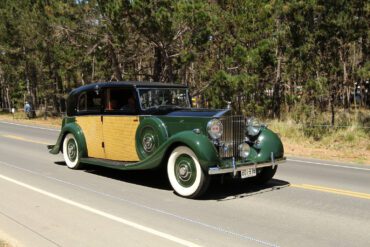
(108, 163)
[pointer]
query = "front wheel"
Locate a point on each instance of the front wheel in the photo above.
(185, 173)
(71, 152)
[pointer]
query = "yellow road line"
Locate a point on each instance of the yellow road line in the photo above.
(24, 139)
(332, 190)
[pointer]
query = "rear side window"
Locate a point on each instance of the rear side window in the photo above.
(120, 101)
(89, 102)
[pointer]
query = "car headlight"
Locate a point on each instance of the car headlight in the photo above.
(244, 149)
(215, 128)
(253, 127)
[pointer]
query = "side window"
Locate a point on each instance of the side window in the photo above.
(120, 101)
(82, 99)
(89, 102)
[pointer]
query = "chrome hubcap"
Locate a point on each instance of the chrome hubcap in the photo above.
(72, 150)
(184, 172)
(148, 143)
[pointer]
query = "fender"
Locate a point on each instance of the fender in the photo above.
(268, 142)
(203, 148)
(154, 129)
(199, 143)
(70, 127)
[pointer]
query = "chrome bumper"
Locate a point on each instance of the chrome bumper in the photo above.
(235, 169)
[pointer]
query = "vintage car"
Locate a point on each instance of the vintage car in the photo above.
(142, 125)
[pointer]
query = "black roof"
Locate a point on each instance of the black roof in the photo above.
(135, 84)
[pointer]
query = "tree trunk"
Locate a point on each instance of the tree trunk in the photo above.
(332, 112)
(1, 97)
(158, 67)
(169, 73)
(138, 73)
(115, 62)
(276, 93)
(348, 89)
(93, 68)
(46, 109)
(276, 99)
(59, 92)
(332, 105)
(8, 101)
(346, 104)
(2, 94)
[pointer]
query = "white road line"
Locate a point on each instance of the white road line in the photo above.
(103, 214)
(29, 126)
(325, 164)
(156, 210)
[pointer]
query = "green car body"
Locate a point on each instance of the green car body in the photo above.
(156, 134)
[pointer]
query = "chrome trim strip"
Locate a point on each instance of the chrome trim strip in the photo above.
(218, 170)
(221, 113)
(234, 167)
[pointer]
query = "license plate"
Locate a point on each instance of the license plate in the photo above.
(249, 172)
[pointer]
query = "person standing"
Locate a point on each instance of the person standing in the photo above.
(27, 109)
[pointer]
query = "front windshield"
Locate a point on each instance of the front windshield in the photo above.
(158, 97)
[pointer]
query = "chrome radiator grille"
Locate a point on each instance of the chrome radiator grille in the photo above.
(233, 135)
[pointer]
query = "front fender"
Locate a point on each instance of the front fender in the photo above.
(268, 143)
(74, 129)
(203, 148)
(200, 144)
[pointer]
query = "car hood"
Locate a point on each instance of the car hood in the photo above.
(196, 112)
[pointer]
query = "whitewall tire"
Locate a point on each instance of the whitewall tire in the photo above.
(185, 173)
(71, 151)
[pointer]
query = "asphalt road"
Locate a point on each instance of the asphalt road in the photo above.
(43, 203)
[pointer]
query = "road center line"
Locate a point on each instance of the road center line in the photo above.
(332, 190)
(102, 213)
(325, 164)
(19, 138)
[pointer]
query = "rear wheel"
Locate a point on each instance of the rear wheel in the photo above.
(185, 173)
(71, 152)
(265, 175)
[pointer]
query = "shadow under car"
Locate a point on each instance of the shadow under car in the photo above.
(220, 188)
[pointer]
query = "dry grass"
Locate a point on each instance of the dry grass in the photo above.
(20, 117)
(344, 144)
